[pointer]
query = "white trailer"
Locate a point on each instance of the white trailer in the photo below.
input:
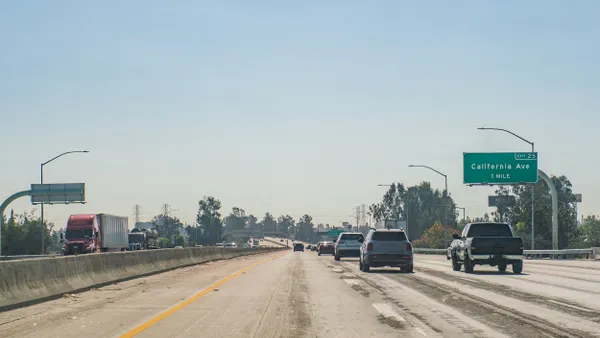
(114, 232)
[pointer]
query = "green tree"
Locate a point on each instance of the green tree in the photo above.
(305, 229)
(252, 223)
(193, 234)
(209, 220)
(179, 240)
(436, 236)
(285, 224)
(590, 231)
(236, 219)
(521, 212)
(269, 223)
(22, 235)
(167, 226)
(164, 242)
(419, 205)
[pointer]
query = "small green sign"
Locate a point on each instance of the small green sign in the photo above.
(500, 168)
(334, 233)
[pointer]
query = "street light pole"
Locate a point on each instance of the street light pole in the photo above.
(445, 183)
(532, 186)
(42, 182)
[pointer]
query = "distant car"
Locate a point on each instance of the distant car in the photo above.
(348, 245)
(308, 247)
(230, 245)
(386, 247)
(298, 247)
(326, 248)
(315, 247)
(178, 247)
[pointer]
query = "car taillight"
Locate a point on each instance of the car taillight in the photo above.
(408, 247)
(370, 247)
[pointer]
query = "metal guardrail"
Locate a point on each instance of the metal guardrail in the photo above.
(567, 253)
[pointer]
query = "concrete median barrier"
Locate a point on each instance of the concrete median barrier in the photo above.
(26, 282)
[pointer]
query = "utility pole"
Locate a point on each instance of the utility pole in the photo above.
(166, 210)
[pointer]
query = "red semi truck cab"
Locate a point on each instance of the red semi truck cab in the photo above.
(89, 233)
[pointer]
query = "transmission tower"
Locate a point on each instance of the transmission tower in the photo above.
(166, 209)
(363, 214)
(358, 216)
(137, 213)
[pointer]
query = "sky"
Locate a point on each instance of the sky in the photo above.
(290, 107)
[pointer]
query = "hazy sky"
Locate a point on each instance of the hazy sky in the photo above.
(290, 106)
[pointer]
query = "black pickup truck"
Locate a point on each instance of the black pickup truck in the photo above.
(486, 243)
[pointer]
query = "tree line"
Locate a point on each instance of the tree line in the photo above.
(211, 226)
(425, 209)
(431, 217)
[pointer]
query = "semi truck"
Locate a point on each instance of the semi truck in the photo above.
(90, 233)
(143, 239)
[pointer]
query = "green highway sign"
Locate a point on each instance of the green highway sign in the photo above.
(335, 232)
(63, 193)
(500, 168)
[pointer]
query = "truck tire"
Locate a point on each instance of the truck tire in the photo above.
(366, 267)
(408, 269)
(455, 264)
(469, 266)
(502, 267)
(517, 267)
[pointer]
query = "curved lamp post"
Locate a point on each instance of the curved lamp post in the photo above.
(42, 182)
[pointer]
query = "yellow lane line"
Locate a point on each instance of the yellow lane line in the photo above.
(151, 322)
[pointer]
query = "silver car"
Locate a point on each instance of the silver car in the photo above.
(386, 247)
(348, 245)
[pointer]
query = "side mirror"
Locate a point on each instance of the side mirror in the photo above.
(455, 236)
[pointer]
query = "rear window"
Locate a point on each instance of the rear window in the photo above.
(352, 237)
(489, 230)
(389, 236)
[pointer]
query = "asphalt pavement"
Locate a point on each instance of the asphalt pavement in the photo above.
(299, 294)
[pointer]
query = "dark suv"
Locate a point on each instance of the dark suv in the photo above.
(384, 247)
(298, 247)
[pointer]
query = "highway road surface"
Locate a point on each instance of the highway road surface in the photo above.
(287, 294)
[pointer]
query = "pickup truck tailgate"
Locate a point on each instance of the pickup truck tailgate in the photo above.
(496, 246)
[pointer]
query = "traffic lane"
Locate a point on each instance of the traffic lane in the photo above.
(426, 315)
(473, 306)
(564, 284)
(293, 296)
(110, 310)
